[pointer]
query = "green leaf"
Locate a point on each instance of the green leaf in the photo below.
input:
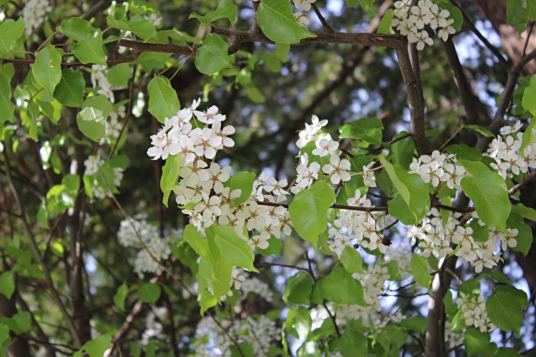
(141, 27)
(221, 268)
(299, 288)
(275, 246)
(8, 108)
(465, 152)
(455, 13)
(480, 129)
(20, 323)
(244, 182)
(212, 56)
(415, 323)
(193, 237)
(88, 48)
(472, 167)
(10, 30)
(524, 211)
(529, 97)
(120, 296)
(368, 130)
(299, 322)
(478, 343)
(226, 9)
(524, 236)
(505, 309)
(278, 23)
(309, 209)
(385, 23)
(233, 248)
(163, 100)
(401, 152)
(92, 119)
(392, 338)
(412, 189)
(119, 75)
(47, 68)
(4, 335)
(97, 347)
(351, 260)
(340, 287)
(7, 284)
(170, 176)
(516, 15)
(419, 268)
(149, 293)
(488, 192)
(528, 136)
(353, 343)
(507, 352)
(70, 89)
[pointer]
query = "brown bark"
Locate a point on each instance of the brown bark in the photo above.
(18, 347)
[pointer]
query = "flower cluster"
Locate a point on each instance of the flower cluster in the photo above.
(474, 312)
(158, 246)
(258, 331)
(505, 150)
(411, 20)
(361, 227)
(34, 15)
(113, 126)
(94, 180)
(203, 192)
(439, 169)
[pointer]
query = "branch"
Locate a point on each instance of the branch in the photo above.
(520, 185)
(130, 58)
(474, 110)
(325, 25)
(37, 252)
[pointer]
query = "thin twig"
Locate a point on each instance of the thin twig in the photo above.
(325, 25)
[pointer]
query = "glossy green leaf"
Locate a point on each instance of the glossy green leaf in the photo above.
(488, 192)
(529, 97)
(472, 167)
(193, 237)
(299, 288)
(419, 268)
(478, 343)
(299, 322)
(412, 189)
(242, 181)
(92, 119)
(47, 68)
(465, 152)
(212, 56)
(10, 30)
(221, 268)
(505, 309)
(401, 152)
(149, 292)
(233, 248)
(278, 23)
(88, 48)
(225, 9)
(98, 346)
(340, 287)
(8, 108)
(7, 284)
(70, 89)
(368, 130)
(480, 129)
(163, 100)
(120, 296)
(309, 209)
(385, 23)
(351, 260)
(170, 176)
